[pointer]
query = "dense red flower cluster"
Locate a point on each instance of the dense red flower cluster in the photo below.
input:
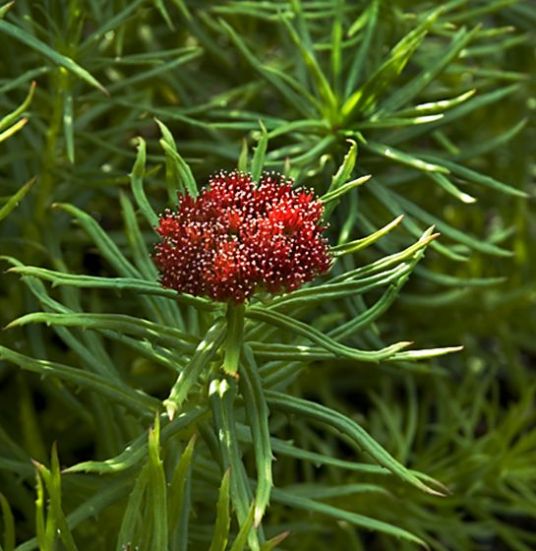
(237, 237)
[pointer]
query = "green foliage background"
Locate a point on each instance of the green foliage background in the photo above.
(434, 100)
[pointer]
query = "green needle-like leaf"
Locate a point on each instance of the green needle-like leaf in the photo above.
(136, 400)
(240, 542)
(366, 98)
(128, 532)
(119, 323)
(136, 180)
(180, 172)
(22, 36)
(349, 428)
(287, 324)
(258, 413)
(136, 451)
(114, 283)
(12, 130)
(200, 361)
(15, 199)
(233, 337)
(310, 505)
(13, 116)
(179, 502)
(9, 525)
(222, 395)
(223, 516)
(406, 93)
(354, 246)
(257, 163)
(157, 485)
(323, 87)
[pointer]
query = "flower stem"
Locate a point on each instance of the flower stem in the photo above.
(234, 337)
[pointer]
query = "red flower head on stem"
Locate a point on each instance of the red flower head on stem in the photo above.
(238, 237)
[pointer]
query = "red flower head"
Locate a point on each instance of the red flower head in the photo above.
(237, 237)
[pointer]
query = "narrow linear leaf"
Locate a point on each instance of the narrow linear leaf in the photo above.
(233, 338)
(425, 238)
(301, 353)
(240, 542)
(275, 541)
(433, 107)
(186, 183)
(320, 491)
(128, 532)
(102, 240)
(336, 44)
(43, 540)
(450, 188)
(446, 229)
(222, 394)
(156, 481)
(314, 154)
(168, 311)
(118, 284)
(136, 180)
(259, 155)
(178, 499)
(454, 281)
(344, 172)
(365, 99)
(483, 147)
(15, 199)
(369, 17)
(383, 194)
(478, 178)
(349, 428)
(311, 296)
(361, 521)
(258, 415)
(341, 177)
(5, 8)
(272, 75)
(222, 525)
(354, 246)
(135, 399)
(68, 125)
(136, 451)
(161, 7)
(288, 324)
(398, 156)
(414, 355)
(140, 253)
(13, 116)
(398, 122)
(56, 522)
(203, 355)
(406, 93)
(112, 23)
(12, 130)
(54, 56)
(481, 100)
(9, 524)
(324, 90)
(370, 314)
(120, 323)
(283, 127)
(243, 159)
(345, 188)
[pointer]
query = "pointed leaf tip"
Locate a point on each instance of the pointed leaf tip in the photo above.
(171, 409)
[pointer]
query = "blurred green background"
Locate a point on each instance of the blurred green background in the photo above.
(218, 73)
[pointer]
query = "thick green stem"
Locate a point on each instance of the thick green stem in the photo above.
(234, 337)
(49, 160)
